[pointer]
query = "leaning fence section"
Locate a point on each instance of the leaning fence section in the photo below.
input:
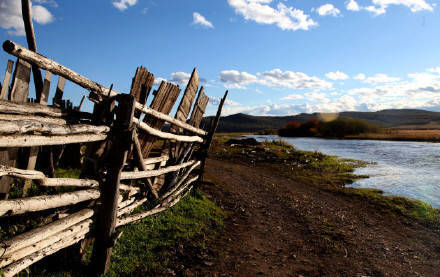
(131, 155)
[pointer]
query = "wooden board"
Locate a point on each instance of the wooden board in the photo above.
(163, 102)
(187, 100)
(184, 109)
(141, 86)
(6, 80)
(19, 93)
(199, 108)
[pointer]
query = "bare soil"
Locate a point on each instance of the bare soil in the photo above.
(278, 226)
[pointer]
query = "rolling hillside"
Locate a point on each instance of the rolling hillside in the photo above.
(405, 118)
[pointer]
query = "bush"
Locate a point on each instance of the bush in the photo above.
(340, 127)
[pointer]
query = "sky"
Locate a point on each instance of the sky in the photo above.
(276, 57)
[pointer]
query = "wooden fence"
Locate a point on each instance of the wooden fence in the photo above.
(129, 159)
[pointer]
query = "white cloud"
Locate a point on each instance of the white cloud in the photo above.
(352, 5)
(180, 78)
(360, 76)
(158, 80)
(236, 79)
(293, 97)
(380, 78)
(338, 75)
(434, 70)
(380, 6)
(286, 18)
(328, 9)
(295, 80)
(201, 20)
(272, 78)
(122, 5)
(41, 15)
(215, 101)
(12, 20)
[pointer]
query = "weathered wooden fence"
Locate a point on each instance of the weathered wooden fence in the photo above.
(128, 159)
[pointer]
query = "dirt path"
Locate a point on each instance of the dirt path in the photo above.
(279, 227)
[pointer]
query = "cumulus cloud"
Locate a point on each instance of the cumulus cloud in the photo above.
(122, 5)
(338, 75)
(420, 91)
(199, 19)
(272, 78)
(180, 78)
(293, 97)
(380, 6)
(360, 76)
(236, 79)
(328, 9)
(158, 80)
(286, 18)
(352, 5)
(380, 78)
(290, 79)
(12, 20)
(215, 101)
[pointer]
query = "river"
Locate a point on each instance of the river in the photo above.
(410, 169)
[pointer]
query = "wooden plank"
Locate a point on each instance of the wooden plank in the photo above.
(141, 86)
(187, 99)
(184, 109)
(57, 100)
(44, 99)
(195, 119)
(199, 108)
(19, 93)
(7, 80)
(162, 102)
(20, 85)
(106, 222)
(37, 140)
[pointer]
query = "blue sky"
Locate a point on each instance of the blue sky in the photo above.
(276, 57)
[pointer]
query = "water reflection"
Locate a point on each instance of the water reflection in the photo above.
(410, 169)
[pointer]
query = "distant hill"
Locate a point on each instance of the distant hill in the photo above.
(403, 118)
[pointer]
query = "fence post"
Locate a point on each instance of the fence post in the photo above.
(112, 166)
(204, 149)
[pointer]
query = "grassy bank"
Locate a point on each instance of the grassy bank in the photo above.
(328, 172)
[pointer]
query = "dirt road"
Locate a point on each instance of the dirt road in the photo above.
(278, 226)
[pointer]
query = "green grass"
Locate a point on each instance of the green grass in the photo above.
(417, 209)
(144, 248)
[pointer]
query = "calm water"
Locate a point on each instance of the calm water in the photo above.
(410, 169)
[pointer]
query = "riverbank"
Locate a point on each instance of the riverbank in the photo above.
(287, 220)
(393, 135)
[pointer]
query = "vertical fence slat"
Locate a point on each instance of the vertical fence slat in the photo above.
(163, 102)
(205, 147)
(184, 109)
(60, 91)
(19, 93)
(106, 221)
(7, 80)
